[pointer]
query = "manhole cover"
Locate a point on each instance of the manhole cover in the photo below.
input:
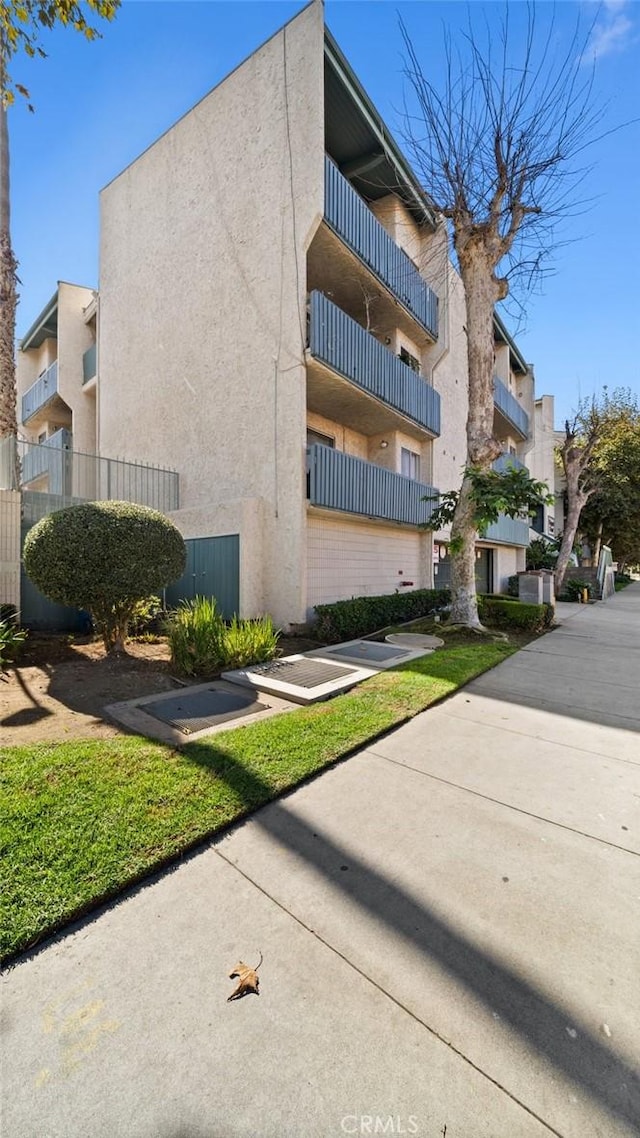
(301, 673)
(411, 640)
(369, 650)
(194, 711)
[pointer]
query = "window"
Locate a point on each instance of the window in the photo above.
(43, 437)
(314, 437)
(512, 451)
(410, 464)
(409, 360)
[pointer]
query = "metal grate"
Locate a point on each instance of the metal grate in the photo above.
(367, 650)
(301, 673)
(194, 711)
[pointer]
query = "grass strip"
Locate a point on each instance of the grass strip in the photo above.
(84, 819)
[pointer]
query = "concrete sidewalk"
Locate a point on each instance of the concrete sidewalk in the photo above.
(449, 922)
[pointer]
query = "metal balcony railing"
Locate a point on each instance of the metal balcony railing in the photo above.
(51, 458)
(508, 531)
(77, 477)
(40, 392)
(346, 347)
(505, 461)
(510, 408)
(339, 481)
(350, 217)
(89, 363)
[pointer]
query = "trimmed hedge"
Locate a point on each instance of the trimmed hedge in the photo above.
(360, 616)
(507, 612)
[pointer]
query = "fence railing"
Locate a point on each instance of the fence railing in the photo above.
(340, 481)
(89, 363)
(510, 408)
(509, 531)
(503, 463)
(40, 392)
(347, 347)
(350, 217)
(73, 476)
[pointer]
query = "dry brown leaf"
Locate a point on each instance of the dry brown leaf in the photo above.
(248, 980)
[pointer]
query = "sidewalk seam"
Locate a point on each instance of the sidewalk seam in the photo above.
(499, 802)
(394, 1000)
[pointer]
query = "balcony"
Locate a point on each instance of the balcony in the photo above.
(508, 531)
(89, 364)
(52, 458)
(505, 461)
(40, 392)
(348, 349)
(76, 477)
(350, 218)
(339, 481)
(510, 409)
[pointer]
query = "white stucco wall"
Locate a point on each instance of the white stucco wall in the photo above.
(74, 338)
(203, 286)
(347, 558)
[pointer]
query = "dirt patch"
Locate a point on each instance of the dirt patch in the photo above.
(61, 685)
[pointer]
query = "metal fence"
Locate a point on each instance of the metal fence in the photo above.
(350, 217)
(510, 408)
(340, 481)
(56, 470)
(349, 349)
(40, 392)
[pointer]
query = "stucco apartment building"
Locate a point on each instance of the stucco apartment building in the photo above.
(279, 323)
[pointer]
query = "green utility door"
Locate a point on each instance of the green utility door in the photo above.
(212, 570)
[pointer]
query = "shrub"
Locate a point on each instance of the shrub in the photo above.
(346, 620)
(504, 612)
(201, 644)
(573, 589)
(249, 642)
(195, 630)
(513, 586)
(145, 616)
(104, 557)
(11, 637)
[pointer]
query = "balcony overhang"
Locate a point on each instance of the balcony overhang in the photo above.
(362, 145)
(331, 395)
(44, 327)
(502, 336)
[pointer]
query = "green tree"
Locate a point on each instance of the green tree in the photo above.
(104, 557)
(499, 151)
(22, 23)
(490, 493)
(612, 513)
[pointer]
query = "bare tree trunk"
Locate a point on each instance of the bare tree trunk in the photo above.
(8, 297)
(481, 291)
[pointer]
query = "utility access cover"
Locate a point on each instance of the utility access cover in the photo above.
(301, 673)
(369, 650)
(195, 711)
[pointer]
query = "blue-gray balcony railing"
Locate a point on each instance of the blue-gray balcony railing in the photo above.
(508, 531)
(350, 217)
(52, 458)
(339, 481)
(347, 348)
(89, 363)
(510, 408)
(503, 463)
(40, 392)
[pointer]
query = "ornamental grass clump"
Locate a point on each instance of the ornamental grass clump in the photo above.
(202, 644)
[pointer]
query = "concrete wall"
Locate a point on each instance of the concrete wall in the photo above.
(10, 548)
(541, 457)
(347, 558)
(203, 282)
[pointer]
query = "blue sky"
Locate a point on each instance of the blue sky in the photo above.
(99, 105)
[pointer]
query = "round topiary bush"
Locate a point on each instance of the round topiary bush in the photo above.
(104, 557)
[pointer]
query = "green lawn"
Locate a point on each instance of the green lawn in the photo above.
(84, 819)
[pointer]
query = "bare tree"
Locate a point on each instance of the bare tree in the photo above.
(576, 454)
(498, 152)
